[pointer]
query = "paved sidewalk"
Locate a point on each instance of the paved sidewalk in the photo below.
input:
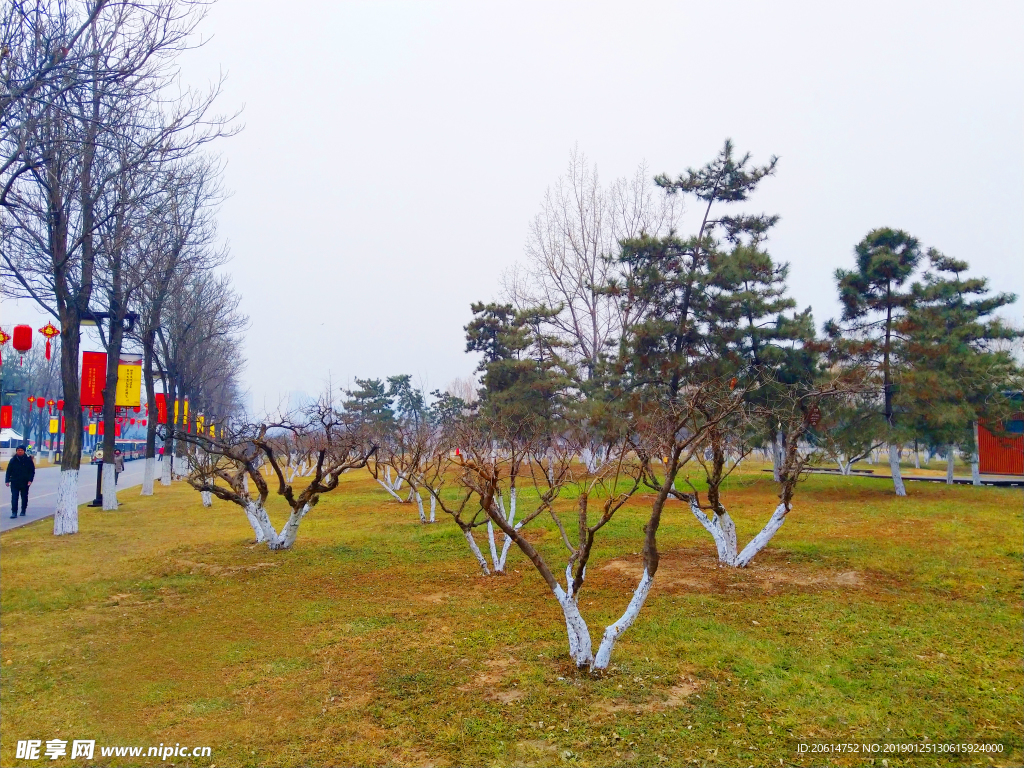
(42, 496)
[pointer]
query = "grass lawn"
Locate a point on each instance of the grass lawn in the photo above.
(376, 641)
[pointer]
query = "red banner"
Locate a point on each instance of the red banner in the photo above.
(117, 430)
(99, 428)
(94, 377)
(62, 425)
(161, 408)
(7, 417)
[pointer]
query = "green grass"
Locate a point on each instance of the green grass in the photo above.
(377, 642)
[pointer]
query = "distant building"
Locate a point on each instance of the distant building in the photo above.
(1003, 455)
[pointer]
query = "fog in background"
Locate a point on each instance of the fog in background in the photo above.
(394, 154)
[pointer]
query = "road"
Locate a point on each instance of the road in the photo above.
(42, 496)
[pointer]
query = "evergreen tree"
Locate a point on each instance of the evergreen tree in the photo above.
(956, 376)
(876, 297)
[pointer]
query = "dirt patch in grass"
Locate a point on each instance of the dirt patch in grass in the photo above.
(694, 570)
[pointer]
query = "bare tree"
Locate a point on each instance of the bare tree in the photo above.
(108, 114)
(232, 458)
(568, 252)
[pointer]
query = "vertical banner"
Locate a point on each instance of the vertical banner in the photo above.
(99, 428)
(200, 421)
(176, 411)
(161, 408)
(7, 417)
(117, 430)
(94, 377)
(54, 425)
(63, 426)
(129, 380)
(92, 429)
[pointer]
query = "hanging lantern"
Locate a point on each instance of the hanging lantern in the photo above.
(50, 403)
(131, 421)
(50, 332)
(60, 405)
(4, 338)
(40, 403)
(31, 402)
(143, 422)
(22, 340)
(136, 408)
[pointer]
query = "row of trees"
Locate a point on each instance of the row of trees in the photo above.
(108, 195)
(628, 356)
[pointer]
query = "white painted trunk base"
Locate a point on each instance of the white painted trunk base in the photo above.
(109, 488)
(723, 531)
(65, 518)
(894, 468)
(949, 465)
(614, 631)
(975, 471)
(148, 476)
(165, 471)
(476, 552)
(207, 498)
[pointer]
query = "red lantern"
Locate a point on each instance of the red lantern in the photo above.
(50, 332)
(60, 405)
(131, 421)
(143, 422)
(23, 339)
(40, 402)
(137, 408)
(31, 402)
(4, 338)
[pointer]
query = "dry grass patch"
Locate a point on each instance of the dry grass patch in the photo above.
(376, 641)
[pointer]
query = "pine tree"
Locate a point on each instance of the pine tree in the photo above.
(956, 375)
(876, 297)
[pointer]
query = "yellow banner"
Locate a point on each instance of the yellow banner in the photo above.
(92, 429)
(54, 426)
(213, 430)
(129, 385)
(199, 423)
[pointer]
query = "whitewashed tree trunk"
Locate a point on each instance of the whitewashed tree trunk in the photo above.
(726, 553)
(165, 471)
(508, 539)
(765, 535)
(207, 498)
(388, 488)
(614, 631)
(491, 544)
(419, 504)
(845, 467)
(148, 476)
(476, 552)
(917, 457)
(777, 455)
(577, 632)
(256, 515)
(291, 529)
(949, 465)
(109, 488)
(894, 468)
(65, 518)
(975, 471)
(433, 505)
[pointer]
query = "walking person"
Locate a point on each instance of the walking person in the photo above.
(118, 465)
(21, 471)
(161, 454)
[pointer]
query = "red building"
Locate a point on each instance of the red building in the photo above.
(1003, 455)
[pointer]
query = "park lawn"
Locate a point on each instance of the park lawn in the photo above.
(376, 641)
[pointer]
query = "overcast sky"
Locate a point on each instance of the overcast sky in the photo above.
(394, 153)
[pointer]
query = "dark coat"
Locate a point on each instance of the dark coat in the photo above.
(21, 471)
